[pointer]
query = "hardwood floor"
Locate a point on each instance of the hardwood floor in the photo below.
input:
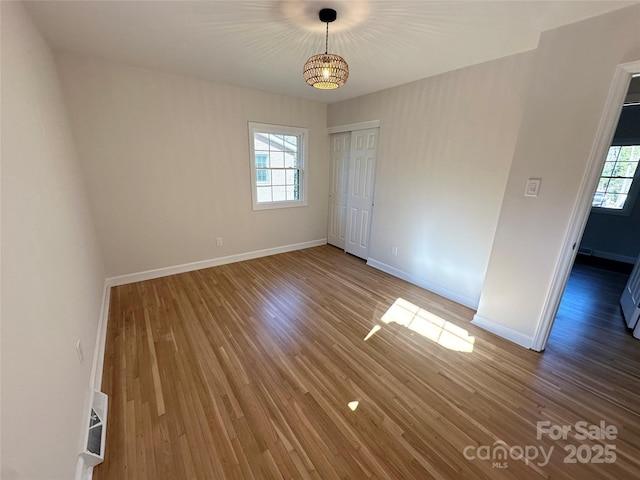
(253, 371)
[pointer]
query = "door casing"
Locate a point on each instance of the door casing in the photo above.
(582, 208)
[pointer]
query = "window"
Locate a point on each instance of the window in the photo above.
(277, 165)
(614, 193)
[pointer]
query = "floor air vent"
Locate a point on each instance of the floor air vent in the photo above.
(93, 452)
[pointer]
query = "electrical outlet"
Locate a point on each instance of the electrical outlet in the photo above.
(394, 251)
(79, 350)
(218, 241)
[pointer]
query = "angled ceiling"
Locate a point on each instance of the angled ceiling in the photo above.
(264, 43)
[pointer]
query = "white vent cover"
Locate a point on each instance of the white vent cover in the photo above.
(93, 448)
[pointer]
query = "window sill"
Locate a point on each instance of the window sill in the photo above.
(625, 212)
(277, 205)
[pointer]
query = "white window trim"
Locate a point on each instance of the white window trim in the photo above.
(303, 133)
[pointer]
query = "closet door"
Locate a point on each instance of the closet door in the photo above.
(339, 171)
(630, 300)
(362, 165)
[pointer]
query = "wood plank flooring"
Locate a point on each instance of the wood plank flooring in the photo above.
(253, 371)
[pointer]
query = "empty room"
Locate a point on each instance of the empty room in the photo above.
(311, 239)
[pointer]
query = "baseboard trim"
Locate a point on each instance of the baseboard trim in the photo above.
(214, 262)
(101, 338)
(432, 287)
(613, 256)
(83, 472)
(502, 331)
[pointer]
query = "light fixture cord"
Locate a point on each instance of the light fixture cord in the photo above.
(326, 41)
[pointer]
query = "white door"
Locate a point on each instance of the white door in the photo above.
(630, 300)
(340, 146)
(362, 163)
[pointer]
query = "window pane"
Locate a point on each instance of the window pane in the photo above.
(614, 201)
(607, 171)
(264, 194)
(598, 198)
(279, 194)
(291, 143)
(619, 185)
(292, 192)
(290, 160)
(277, 159)
(262, 159)
(262, 176)
(291, 177)
(261, 141)
(276, 142)
(278, 177)
(625, 154)
(602, 185)
(625, 169)
(612, 156)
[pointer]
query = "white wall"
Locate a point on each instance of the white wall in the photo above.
(446, 144)
(51, 274)
(166, 160)
(573, 73)
(614, 236)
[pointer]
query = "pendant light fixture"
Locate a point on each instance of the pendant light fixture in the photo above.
(326, 70)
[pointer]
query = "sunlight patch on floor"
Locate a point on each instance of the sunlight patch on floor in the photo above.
(373, 331)
(426, 324)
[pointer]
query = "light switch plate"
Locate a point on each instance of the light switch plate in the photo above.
(80, 352)
(533, 187)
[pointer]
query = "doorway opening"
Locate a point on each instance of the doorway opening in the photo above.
(589, 303)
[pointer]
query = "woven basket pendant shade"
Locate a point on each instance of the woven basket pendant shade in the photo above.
(326, 71)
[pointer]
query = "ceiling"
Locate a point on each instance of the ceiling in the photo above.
(264, 43)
